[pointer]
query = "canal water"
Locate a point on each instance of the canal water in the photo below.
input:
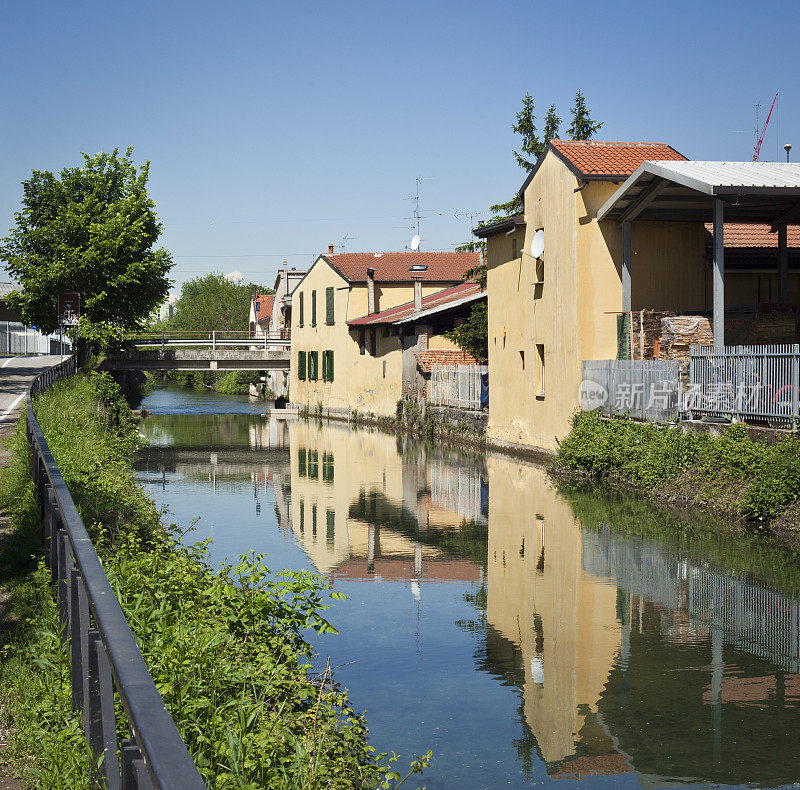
(523, 633)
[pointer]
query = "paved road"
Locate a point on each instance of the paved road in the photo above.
(15, 375)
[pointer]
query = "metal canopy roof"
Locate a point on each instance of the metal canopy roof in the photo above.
(685, 192)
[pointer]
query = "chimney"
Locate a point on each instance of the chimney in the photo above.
(330, 249)
(417, 295)
(370, 290)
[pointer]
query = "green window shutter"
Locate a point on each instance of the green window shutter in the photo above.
(330, 366)
(313, 472)
(313, 308)
(301, 365)
(324, 365)
(329, 305)
(330, 526)
(300, 317)
(301, 466)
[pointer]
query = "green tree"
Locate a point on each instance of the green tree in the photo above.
(471, 335)
(552, 123)
(90, 230)
(582, 127)
(213, 302)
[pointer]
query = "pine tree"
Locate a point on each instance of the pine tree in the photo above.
(552, 123)
(582, 127)
(526, 126)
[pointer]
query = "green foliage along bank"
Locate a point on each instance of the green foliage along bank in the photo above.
(745, 480)
(226, 647)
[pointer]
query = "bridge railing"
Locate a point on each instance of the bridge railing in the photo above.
(214, 339)
(104, 655)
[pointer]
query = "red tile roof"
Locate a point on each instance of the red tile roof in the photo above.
(443, 267)
(427, 358)
(443, 300)
(742, 234)
(598, 159)
(262, 307)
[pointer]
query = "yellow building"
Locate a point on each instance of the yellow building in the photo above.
(550, 312)
(341, 368)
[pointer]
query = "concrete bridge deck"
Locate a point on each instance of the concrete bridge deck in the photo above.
(199, 359)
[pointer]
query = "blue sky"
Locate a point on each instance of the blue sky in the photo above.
(276, 128)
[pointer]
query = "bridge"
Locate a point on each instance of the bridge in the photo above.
(202, 351)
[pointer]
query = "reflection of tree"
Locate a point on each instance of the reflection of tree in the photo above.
(195, 431)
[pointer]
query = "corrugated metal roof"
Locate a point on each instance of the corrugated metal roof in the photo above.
(757, 190)
(7, 288)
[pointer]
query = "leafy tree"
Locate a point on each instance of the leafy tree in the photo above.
(471, 335)
(90, 230)
(582, 127)
(213, 302)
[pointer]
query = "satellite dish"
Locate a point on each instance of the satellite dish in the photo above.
(415, 242)
(537, 245)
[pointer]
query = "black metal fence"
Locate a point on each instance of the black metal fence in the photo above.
(104, 656)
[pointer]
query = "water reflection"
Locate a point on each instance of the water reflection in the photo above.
(526, 635)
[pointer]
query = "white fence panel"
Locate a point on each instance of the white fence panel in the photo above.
(16, 338)
(456, 385)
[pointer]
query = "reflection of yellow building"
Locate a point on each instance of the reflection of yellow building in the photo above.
(539, 597)
(359, 518)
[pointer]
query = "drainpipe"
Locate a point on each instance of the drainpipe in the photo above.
(370, 290)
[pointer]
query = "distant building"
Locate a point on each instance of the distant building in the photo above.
(344, 367)
(260, 318)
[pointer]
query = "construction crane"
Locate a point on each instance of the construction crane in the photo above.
(760, 139)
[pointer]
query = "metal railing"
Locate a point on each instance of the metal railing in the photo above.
(104, 655)
(214, 339)
(456, 385)
(753, 383)
(643, 389)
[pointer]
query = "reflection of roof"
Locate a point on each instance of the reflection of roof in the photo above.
(445, 299)
(427, 358)
(598, 159)
(592, 765)
(262, 307)
(402, 569)
(396, 266)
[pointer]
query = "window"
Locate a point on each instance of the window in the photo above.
(540, 369)
(384, 368)
(313, 308)
(313, 365)
(362, 342)
(330, 526)
(301, 365)
(327, 467)
(301, 466)
(313, 464)
(373, 342)
(329, 305)
(314, 520)
(300, 316)
(327, 365)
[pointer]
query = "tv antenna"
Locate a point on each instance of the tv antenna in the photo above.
(345, 239)
(761, 131)
(416, 214)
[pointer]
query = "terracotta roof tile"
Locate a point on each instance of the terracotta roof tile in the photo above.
(263, 307)
(597, 159)
(752, 246)
(427, 358)
(441, 299)
(443, 267)
(743, 234)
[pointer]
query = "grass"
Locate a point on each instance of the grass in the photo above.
(749, 481)
(226, 647)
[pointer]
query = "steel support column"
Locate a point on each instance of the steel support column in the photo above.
(626, 267)
(783, 265)
(719, 274)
